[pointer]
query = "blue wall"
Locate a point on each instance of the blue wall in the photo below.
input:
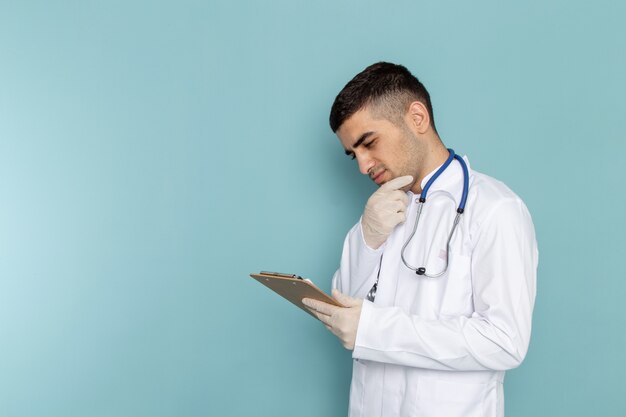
(144, 146)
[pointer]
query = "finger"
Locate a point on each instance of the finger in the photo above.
(321, 317)
(311, 303)
(397, 218)
(396, 183)
(398, 207)
(319, 306)
(346, 300)
(401, 196)
(395, 204)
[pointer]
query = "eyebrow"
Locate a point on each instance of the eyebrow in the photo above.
(359, 142)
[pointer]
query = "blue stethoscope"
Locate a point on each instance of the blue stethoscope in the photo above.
(459, 211)
(421, 270)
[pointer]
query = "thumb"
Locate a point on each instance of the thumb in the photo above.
(346, 300)
(397, 183)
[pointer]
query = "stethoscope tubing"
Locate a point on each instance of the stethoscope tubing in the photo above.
(420, 204)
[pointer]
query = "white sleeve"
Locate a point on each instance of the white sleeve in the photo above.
(359, 265)
(496, 335)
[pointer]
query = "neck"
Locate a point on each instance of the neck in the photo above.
(434, 157)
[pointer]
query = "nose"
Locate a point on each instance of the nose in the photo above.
(365, 163)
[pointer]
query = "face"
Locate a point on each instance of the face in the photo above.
(382, 149)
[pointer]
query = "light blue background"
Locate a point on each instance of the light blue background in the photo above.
(144, 146)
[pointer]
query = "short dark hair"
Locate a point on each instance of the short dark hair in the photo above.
(390, 88)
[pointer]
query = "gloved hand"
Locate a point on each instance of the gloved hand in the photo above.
(384, 210)
(343, 322)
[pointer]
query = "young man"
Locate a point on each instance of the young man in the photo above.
(434, 313)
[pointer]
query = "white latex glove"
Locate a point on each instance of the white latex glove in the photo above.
(385, 209)
(341, 321)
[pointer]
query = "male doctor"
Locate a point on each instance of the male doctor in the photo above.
(426, 346)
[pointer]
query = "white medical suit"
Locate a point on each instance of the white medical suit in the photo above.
(439, 347)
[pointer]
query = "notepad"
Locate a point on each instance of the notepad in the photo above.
(294, 288)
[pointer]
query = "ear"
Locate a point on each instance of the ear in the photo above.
(418, 117)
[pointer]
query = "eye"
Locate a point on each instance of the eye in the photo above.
(369, 144)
